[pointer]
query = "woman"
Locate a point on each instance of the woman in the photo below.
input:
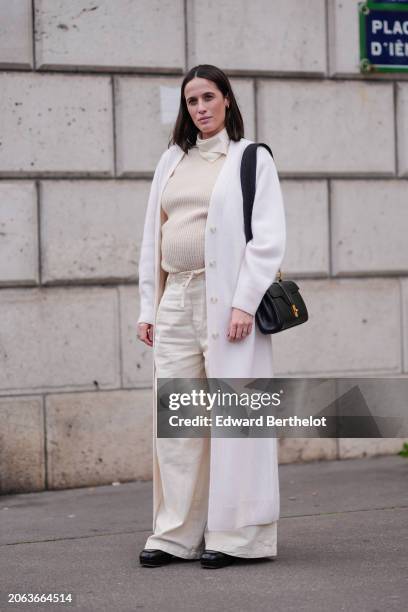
(200, 285)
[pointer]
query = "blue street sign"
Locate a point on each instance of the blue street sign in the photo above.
(383, 36)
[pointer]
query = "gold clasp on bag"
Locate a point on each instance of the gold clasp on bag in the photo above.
(295, 310)
(293, 307)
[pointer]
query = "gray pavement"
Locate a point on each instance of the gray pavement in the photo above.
(342, 545)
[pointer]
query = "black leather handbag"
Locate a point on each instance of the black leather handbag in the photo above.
(282, 306)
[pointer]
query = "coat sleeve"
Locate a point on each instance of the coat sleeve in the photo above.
(264, 252)
(147, 252)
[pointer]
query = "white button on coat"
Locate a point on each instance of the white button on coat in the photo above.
(244, 488)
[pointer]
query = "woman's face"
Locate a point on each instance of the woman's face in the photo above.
(206, 105)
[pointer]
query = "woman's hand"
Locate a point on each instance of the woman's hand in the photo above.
(145, 333)
(240, 325)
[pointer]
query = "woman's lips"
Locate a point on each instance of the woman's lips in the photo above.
(204, 119)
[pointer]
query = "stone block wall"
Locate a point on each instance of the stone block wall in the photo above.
(89, 95)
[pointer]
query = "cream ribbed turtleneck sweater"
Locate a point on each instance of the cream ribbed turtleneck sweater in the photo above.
(185, 201)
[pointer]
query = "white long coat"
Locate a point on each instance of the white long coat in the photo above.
(244, 486)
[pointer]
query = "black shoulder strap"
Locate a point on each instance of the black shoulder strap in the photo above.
(248, 182)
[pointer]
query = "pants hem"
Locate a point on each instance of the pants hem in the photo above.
(246, 555)
(176, 550)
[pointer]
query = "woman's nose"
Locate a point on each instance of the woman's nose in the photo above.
(201, 106)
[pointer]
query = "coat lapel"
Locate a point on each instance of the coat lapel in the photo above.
(161, 275)
(221, 183)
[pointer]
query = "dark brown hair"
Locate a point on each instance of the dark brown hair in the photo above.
(185, 132)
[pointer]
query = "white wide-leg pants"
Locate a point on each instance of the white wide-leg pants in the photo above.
(181, 352)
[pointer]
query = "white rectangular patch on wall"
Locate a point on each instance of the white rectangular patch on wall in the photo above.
(169, 103)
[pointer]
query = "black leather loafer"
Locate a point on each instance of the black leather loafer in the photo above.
(212, 559)
(152, 557)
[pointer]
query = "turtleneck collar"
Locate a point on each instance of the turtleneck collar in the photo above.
(212, 148)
